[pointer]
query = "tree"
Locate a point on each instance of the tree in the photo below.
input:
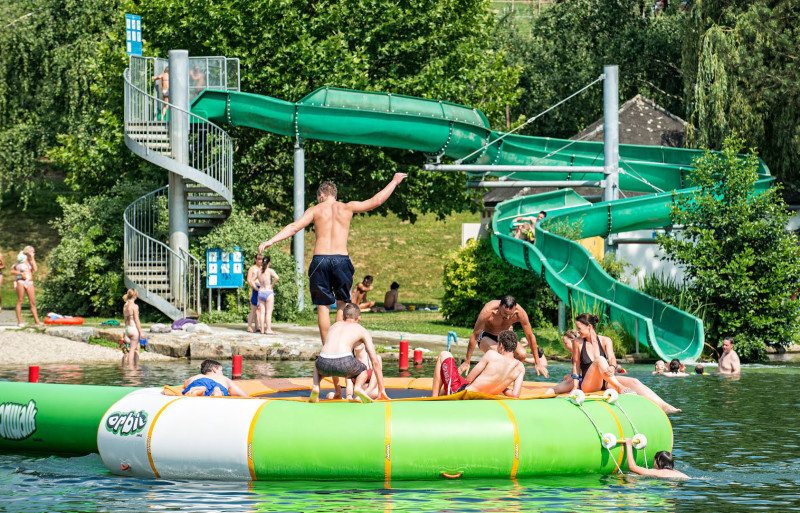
(475, 275)
(438, 49)
(738, 256)
(61, 96)
(742, 75)
(565, 46)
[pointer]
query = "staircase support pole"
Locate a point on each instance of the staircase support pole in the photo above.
(298, 243)
(611, 139)
(179, 140)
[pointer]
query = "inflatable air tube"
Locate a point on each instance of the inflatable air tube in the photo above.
(140, 432)
(66, 321)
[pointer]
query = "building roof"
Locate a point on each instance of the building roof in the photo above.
(641, 121)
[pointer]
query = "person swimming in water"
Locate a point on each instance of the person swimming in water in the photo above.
(663, 464)
(211, 382)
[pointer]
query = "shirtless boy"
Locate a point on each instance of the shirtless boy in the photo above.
(498, 372)
(500, 315)
(211, 382)
(337, 360)
(729, 360)
(360, 294)
(330, 275)
(252, 281)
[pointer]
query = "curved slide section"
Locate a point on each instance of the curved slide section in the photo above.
(445, 129)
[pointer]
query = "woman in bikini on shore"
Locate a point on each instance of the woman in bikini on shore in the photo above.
(594, 366)
(266, 296)
(133, 328)
(23, 282)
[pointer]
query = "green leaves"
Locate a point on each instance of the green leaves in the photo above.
(475, 275)
(741, 262)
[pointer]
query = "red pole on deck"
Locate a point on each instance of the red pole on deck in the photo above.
(417, 356)
(403, 355)
(33, 374)
(237, 366)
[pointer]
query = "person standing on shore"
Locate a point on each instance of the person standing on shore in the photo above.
(23, 282)
(133, 329)
(330, 275)
(252, 281)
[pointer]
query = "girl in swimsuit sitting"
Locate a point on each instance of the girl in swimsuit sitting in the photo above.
(133, 328)
(266, 297)
(23, 283)
(593, 356)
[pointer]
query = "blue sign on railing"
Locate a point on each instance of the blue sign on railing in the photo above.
(133, 34)
(224, 269)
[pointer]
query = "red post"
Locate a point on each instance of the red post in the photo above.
(237, 366)
(404, 355)
(417, 356)
(33, 374)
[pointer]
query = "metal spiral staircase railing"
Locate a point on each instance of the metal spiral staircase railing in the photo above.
(167, 279)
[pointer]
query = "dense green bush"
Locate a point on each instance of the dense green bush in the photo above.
(243, 231)
(86, 267)
(475, 275)
(740, 260)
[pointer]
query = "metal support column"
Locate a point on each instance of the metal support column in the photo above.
(562, 317)
(611, 139)
(298, 243)
(179, 141)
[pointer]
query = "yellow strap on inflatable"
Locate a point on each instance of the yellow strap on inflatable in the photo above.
(387, 443)
(250, 466)
(513, 419)
(621, 434)
(150, 436)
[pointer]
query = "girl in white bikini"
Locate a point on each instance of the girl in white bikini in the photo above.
(133, 329)
(266, 297)
(23, 282)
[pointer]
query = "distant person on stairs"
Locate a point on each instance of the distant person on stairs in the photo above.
(330, 275)
(163, 77)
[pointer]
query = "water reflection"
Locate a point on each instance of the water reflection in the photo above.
(736, 438)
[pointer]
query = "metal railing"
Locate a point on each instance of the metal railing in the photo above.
(165, 278)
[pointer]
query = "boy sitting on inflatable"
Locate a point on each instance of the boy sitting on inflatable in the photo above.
(211, 382)
(498, 372)
(337, 360)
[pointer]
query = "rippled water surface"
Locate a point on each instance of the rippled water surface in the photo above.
(736, 438)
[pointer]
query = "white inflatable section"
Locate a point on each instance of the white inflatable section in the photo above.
(192, 441)
(122, 434)
(186, 438)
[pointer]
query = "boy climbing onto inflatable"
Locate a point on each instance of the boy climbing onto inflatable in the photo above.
(498, 372)
(211, 382)
(337, 360)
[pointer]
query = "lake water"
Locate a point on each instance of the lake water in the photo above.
(736, 438)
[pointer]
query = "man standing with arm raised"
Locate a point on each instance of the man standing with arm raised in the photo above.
(330, 275)
(500, 315)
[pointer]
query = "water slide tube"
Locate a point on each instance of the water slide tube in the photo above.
(141, 432)
(455, 131)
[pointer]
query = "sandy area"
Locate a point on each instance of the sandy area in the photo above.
(25, 347)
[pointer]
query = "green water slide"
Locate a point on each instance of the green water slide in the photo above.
(455, 131)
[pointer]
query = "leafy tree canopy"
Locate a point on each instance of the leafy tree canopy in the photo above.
(741, 261)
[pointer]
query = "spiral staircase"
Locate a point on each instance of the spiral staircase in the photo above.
(165, 278)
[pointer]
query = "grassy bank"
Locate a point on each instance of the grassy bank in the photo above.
(411, 254)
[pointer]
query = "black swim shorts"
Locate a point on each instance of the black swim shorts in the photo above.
(330, 278)
(344, 367)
